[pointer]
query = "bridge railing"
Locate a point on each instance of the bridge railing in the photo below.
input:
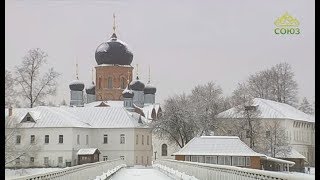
(205, 171)
(79, 172)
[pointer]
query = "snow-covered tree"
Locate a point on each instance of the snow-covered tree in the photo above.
(276, 142)
(276, 84)
(10, 92)
(206, 102)
(285, 88)
(248, 124)
(305, 106)
(176, 123)
(14, 133)
(34, 85)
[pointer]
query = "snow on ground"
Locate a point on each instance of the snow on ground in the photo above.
(14, 173)
(139, 173)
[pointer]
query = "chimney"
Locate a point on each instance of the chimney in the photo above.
(10, 111)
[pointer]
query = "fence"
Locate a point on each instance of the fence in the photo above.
(80, 172)
(205, 171)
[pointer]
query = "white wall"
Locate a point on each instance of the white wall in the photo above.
(39, 150)
(143, 151)
(157, 144)
(69, 148)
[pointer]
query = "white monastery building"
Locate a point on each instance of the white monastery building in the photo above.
(112, 123)
(299, 126)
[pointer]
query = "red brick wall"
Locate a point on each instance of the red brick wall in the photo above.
(255, 162)
(179, 157)
(116, 72)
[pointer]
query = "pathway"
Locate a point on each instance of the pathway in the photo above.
(139, 173)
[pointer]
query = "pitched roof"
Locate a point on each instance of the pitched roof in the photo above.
(45, 117)
(88, 151)
(292, 154)
(217, 145)
(271, 109)
(83, 117)
(109, 103)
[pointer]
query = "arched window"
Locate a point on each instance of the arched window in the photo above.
(123, 83)
(99, 83)
(109, 82)
(164, 151)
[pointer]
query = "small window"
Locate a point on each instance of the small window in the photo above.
(60, 160)
(46, 139)
(164, 150)
(105, 139)
(235, 161)
(248, 161)
(214, 160)
(18, 161)
(122, 157)
(242, 161)
(105, 158)
(248, 134)
(123, 83)
(78, 139)
(99, 83)
(87, 139)
(200, 159)
(31, 160)
(137, 139)
(110, 82)
(28, 118)
(221, 160)
(32, 139)
(147, 140)
(187, 158)
(194, 159)
(60, 139)
(46, 160)
(207, 159)
(18, 139)
(122, 139)
(227, 160)
(267, 134)
(142, 139)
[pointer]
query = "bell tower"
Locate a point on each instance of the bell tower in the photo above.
(114, 70)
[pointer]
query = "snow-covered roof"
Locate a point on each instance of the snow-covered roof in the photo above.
(271, 110)
(278, 160)
(88, 151)
(45, 117)
(109, 103)
(292, 154)
(217, 146)
(83, 117)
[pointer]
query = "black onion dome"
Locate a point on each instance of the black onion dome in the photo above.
(137, 85)
(113, 51)
(76, 85)
(91, 89)
(127, 93)
(150, 89)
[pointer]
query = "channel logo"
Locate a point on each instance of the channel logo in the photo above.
(286, 24)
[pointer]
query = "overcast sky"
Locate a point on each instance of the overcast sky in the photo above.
(185, 42)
